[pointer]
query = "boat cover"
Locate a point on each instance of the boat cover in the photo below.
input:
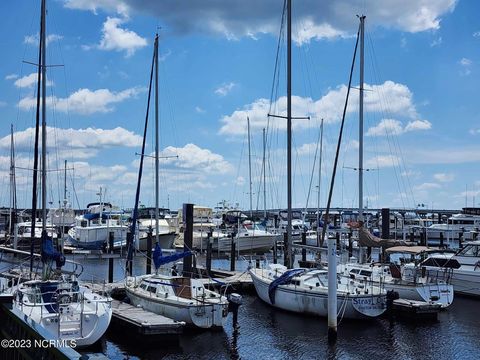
(282, 280)
(365, 238)
(160, 260)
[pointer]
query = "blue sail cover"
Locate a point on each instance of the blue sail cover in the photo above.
(160, 260)
(282, 280)
(49, 253)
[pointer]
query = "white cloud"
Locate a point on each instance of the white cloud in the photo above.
(77, 143)
(386, 127)
(436, 42)
(382, 161)
(199, 110)
(329, 107)
(84, 101)
(3, 103)
(427, 186)
(93, 5)
(312, 19)
(306, 149)
(35, 39)
(444, 177)
(29, 80)
(11, 77)
(195, 158)
(476, 34)
(389, 127)
(465, 64)
(225, 88)
(240, 181)
(410, 173)
(118, 39)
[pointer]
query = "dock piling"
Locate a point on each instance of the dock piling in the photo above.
(187, 237)
(209, 252)
(304, 242)
(232, 253)
(110, 259)
(441, 239)
(149, 250)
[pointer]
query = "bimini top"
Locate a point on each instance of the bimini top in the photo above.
(414, 250)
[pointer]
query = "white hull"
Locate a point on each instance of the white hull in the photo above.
(166, 241)
(249, 243)
(315, 302)
(96, 237)
(440, 294)
(464, 282)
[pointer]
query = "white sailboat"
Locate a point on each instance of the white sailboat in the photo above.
(56, 303)
(179, 298)
(312, 291)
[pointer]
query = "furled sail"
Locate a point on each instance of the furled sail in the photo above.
(160, 260)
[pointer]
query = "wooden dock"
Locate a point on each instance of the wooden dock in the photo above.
(143, 322)
(416, 310)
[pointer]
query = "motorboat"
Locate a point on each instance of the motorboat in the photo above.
(462, 268)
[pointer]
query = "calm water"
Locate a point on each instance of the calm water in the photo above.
(264, 332)
(267, 333)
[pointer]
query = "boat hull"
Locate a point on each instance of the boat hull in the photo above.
(166, 241)
(316, 302)
(198, 315)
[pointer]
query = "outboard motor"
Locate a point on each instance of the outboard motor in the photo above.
(234, 302)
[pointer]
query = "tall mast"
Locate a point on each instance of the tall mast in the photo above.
(360, 123)
(13, 191)
(156, 141)
(44, 125)
(249, 167)
(289, 133)
(65, 186)
(319, 175)
(264, 177)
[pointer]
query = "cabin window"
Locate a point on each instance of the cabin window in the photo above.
(365, 273)
(152, 289)
(143, 286)
(469, 251)
(355, 271)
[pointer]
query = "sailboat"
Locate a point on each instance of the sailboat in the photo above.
(309, 291)
(177, 297)
(57, 303)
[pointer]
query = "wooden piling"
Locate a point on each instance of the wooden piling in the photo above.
(304, 242)
(187, 237)
(441, 239)
(209, 253)
(275, 251)
(285, 249)
(232, 253)
(350, 244)
(110, 260)
(149, 251)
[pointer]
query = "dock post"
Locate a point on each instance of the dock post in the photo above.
(350, 244)
(110, 260)
(209, 253)
(275, 251)
(385, 223)
(412, 236)
(187, 237)
(460, 238)
(337, 240)
(332, 291)
(422, 238)
(441, 239)
(304, 242)
(232, 253)
(285, 249)
(149, 250)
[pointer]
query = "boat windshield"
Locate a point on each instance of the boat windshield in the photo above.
(469, 250)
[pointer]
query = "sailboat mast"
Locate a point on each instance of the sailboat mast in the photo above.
(360, 122)
(264, 177)
(156, 142)
(289, 133)
(319, 174)
(44, 122)
(13, 191)
(65, 185)
(250, 168)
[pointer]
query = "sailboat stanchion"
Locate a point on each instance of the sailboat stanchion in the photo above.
(332, 291)
(110, 260)
(187, 237)
(149, 251)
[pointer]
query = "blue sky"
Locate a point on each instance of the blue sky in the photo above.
(217, 62)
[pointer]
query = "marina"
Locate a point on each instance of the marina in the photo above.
(348, 232)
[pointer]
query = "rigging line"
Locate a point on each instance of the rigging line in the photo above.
(397, 147)
(311, 177)
(332, 183)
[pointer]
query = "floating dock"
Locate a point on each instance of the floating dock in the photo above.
(416, 310)
(143, 322)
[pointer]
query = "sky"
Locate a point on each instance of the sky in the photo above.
(217, 67)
